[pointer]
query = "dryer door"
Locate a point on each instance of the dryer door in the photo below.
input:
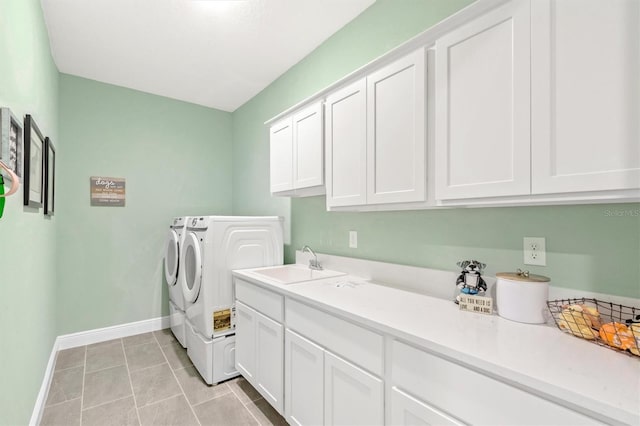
(191, 268)
(171, 258)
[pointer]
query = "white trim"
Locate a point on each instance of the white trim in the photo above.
(97, 335)
(36, 415)
(88, 337)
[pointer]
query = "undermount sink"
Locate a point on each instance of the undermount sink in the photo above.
(290, 274)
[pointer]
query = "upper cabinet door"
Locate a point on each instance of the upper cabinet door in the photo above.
(483, 106)
(346, 146)
(396, 131)
(308, 151)
(281, 155)
(585, 95)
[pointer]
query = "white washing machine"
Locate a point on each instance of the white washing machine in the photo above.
(213, 247)
(173, 248)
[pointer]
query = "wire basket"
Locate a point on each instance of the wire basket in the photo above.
(614, 326)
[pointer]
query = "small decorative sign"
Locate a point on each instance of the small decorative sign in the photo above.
(107, 191)
(479, 304)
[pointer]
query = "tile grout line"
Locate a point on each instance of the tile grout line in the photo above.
(184, 394)
(126, 362)
(84, 376)
(210, 399)
(108, 402)
(106, 368)
(62, 402)
(67, 368)
(245, 405)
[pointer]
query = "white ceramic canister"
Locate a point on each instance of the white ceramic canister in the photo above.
(522, 297)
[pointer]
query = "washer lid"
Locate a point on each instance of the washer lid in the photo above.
(191, 267)
(171, 258)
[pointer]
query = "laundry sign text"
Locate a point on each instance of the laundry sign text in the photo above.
(107, 191)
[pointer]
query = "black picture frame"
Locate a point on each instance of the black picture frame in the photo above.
(49, 194)
(11, 141)
(33, 163)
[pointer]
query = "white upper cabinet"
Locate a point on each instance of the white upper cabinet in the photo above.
(297, 153)
(346, 146)
(585, 95)
(376, 137)
(308, 164)
(281, 155)
(396, 127)
(483, 106)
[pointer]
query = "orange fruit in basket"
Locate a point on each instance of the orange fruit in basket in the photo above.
(619, 336)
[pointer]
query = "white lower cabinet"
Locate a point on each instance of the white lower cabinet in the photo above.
(245, 341)
(470, 396)
(351, 395)
(319, 368)
(406, 410)
(304, 381)
(259, 353)
(269, 355)
(322, 388)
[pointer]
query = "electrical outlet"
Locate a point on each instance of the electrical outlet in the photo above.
(353, 239)
(535, 251)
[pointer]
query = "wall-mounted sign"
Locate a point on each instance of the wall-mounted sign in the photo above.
(107, 191)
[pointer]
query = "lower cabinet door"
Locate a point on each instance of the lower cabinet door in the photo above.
(269, 360)
(246, 341)
(303, 381)
(351, 395)
(408, 411)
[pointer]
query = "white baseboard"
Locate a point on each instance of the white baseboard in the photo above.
(88, 337)
(36, 415)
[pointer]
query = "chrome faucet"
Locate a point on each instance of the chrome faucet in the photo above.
(313, 263)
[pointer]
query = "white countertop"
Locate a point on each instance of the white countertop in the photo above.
(537, 358)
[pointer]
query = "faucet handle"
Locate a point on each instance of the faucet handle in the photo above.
(314, 264)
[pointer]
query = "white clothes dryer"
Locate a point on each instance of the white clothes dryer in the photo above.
(173, 248)
(213, 247)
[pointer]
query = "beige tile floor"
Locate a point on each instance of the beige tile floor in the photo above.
(146, 379)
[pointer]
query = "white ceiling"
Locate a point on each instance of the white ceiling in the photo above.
(217, 53)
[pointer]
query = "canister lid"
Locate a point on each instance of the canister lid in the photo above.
(530, 278)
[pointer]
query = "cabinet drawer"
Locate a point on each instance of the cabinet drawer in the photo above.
(408, 411)
(265, 301)
(470, 396)
(350, 341)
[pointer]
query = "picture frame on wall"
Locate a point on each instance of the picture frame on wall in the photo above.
(49, 177)
(33, 163)
(11, 142)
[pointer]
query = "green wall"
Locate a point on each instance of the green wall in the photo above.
(176, 159)
(28, 85)
(593, 248)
